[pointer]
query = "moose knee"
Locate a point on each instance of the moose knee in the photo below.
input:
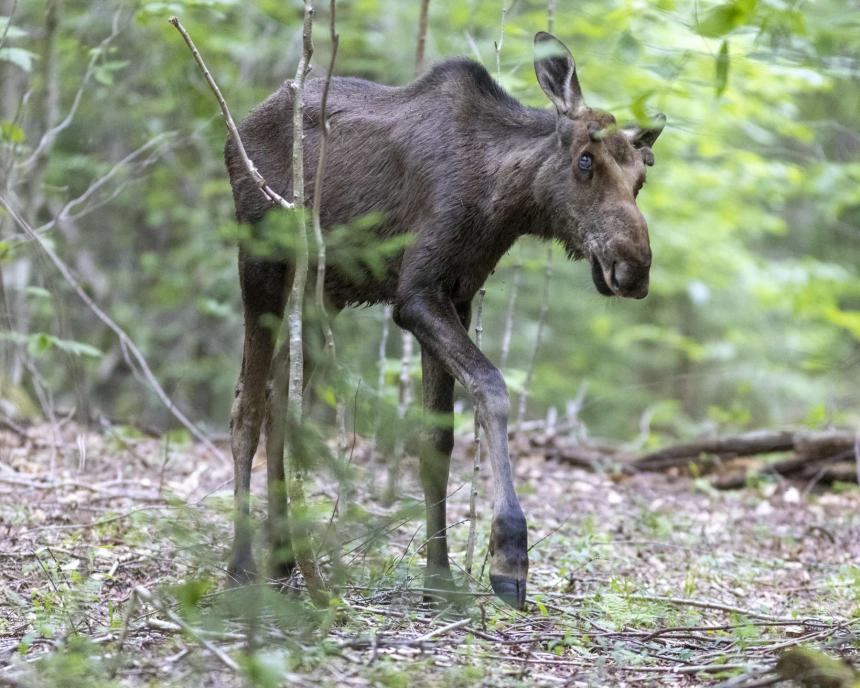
(492, 396)
(406, 313)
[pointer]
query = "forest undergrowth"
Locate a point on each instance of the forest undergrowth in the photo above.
(114, 550)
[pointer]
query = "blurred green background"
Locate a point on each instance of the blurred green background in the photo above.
(754, 205)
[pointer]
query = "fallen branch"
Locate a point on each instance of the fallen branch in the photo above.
(822, 456)
(150, 599)
(757, 442)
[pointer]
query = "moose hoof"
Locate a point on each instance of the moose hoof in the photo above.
(282, 560)
(509, 560)
(282, 570)
(439, 586)
(241, 571)
(511, 591)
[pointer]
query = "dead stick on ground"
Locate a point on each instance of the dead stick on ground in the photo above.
(813, 446)
(443, 629)
(147, 597)
(749, 443)
(123, 634)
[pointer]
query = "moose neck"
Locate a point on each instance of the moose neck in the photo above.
(532, 188)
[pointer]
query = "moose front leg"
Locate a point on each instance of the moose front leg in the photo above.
(433, 319)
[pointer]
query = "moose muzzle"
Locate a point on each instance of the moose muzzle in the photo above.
(622, 267)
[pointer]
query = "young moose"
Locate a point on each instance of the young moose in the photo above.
(465, 169)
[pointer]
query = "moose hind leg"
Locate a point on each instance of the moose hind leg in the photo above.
(282, 559)
(435, 461)
(262, 295)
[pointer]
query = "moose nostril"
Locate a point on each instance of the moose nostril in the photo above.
(613, 279)
(629, 278)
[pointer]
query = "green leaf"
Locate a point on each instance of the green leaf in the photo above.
(39, 343)
(19, 57)
(639, 109)
(11, 132)
(39, 292)
(105, 71)
(849, 320)
(628, 48)
(722, 69)
(724, 18)
(12, 32)
(77, 348)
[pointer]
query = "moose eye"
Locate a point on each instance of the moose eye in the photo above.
(585, 161)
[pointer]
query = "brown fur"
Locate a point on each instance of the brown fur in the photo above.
(463, 169)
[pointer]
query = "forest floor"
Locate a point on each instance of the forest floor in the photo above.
(113, 547)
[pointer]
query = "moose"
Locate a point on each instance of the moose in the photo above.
(464, 169)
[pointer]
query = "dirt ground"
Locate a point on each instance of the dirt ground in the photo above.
(112, 549)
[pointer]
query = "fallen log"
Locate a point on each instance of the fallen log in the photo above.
(823, 456)
(808, 446)
(747, 444)
(592, 458)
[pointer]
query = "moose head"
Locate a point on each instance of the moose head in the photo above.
(608, 165)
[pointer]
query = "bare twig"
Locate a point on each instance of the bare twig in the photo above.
(380, 387)
(506, 9)
(301, 537)
(9, 424)
(544, 311)
(319, 291)
(8, 22)
(476, 462)
(66, 213)
(702, 604)
(150, 599)
(550, 15)
(266, 190)
(509, 313)
(129, 348)
(422, 37)
(123, 634)
(443, 630)
(544, 308)
(405, 400)
(304, 554)
(50, 136)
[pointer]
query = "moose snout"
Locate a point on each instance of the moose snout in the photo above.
(623, 265)
(630, 279)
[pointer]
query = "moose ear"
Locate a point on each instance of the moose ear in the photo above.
(556, 74)
(644, 137)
